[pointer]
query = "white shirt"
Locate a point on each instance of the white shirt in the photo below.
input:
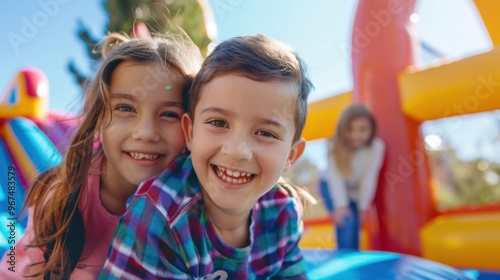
(365, 166)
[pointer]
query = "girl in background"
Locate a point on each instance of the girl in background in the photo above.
(131, 131)
(348, 185)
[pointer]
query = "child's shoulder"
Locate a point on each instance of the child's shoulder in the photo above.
(279, 214)
(378, 143)
(171, 188)
(376, 148)
(176, 172)
(281, 202)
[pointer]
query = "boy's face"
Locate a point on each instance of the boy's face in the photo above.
(241, 139)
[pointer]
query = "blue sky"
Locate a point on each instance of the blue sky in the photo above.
(42, 34)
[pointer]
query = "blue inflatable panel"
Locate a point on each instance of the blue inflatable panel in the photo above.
(14, 196)
(43, 155)
(353, 264)
(42, 152)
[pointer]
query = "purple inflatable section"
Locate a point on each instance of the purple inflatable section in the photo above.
(60, 130)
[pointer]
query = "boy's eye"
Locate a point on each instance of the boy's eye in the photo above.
(124, 108)
(218, 123)
(170, 115)
(266, 134)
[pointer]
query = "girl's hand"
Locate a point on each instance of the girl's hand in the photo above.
(340, 214)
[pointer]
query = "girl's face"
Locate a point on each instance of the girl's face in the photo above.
(142, 134)
(359, 132)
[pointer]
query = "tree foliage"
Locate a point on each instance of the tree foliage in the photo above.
(159, 15)
(460, 183)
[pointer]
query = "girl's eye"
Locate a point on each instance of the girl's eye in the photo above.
(218, 123)
(266, 134)
(124, 108)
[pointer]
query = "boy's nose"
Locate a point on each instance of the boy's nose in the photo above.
(145, 130)
(237, 148)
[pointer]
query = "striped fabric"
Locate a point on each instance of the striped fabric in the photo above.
(166, 234)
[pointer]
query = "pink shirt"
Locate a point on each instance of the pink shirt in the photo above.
(100, 226)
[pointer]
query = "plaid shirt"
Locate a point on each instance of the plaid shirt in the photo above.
(166, 234)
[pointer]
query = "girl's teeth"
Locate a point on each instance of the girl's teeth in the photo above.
(135, 155)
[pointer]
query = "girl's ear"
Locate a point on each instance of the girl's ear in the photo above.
(187, 128)
(98, 135)
(295, 152)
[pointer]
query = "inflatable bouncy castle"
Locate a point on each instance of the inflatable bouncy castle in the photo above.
(405, 218)
(32, 140)
(406, 236)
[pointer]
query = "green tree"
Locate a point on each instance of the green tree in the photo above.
(462, 183)
(159, 15)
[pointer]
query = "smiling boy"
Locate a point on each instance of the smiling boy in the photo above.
(218, 213)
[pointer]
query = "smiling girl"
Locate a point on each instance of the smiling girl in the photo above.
(131, 130)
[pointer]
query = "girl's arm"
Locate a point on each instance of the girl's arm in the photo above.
(368, 182)
(142, 247)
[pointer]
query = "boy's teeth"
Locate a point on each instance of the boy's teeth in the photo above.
(232, 180)
(136, 155)
(231, 176)
(235, 174)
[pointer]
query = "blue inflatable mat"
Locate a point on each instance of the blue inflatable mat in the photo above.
(371, 265)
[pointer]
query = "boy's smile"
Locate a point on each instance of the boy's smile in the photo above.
(240, 143)
(233, 176)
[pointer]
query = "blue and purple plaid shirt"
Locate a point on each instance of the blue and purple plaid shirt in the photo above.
(165, 233)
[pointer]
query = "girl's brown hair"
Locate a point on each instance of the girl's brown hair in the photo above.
(54, 196)
(338, 146)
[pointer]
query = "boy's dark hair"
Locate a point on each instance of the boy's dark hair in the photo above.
(259, 58)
